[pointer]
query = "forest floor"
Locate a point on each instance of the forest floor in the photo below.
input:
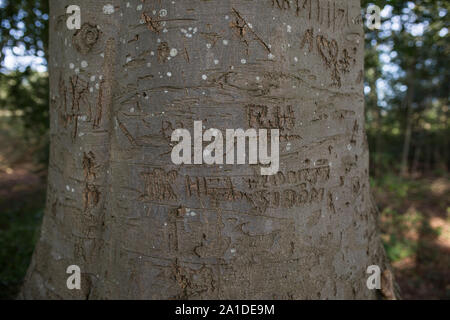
(415, 223)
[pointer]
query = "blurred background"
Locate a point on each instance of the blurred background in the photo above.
(407, 112)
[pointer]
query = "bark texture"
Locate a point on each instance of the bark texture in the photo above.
(140, 227)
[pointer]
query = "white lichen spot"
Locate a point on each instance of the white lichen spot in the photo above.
(233, 250)
(270, 56)
(163, 13)
(208, 45)
(84, 64)
(295, 59)
(289, 28)
(139, 7)
(225, 42)
(71, 65)
(92, 78)
(67, 188)
(169, 74)
(243, 61)
(108, 9)
(216, 61)
(204, 77)
(349, 147)
(288, 146)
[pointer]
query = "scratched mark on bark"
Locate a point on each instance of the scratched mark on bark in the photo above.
(163, 52)
(104, 101)
(284, 190)
(328, 50)
(243, 31)
(158, 185)
(331, 14)
(91, 195)
(273, 117)
(153, 24)
(193, 283)
(85, 38)
(77, 93)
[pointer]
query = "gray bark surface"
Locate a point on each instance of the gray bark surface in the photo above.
(140, 227)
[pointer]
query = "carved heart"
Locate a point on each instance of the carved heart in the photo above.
(328, 50)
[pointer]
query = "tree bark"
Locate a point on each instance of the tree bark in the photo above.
(140, 227)
(408, 101)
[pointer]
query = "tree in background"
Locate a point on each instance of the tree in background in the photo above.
(24, 91)
(411, 114)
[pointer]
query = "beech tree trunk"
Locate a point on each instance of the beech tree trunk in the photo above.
(140, 227)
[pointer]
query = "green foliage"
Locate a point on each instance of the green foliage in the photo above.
(25, 94)
(400, 187)
(407, 207)
(399, 248)
(24, 32)
(24, 23)
(19, 229)
(407, 76)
